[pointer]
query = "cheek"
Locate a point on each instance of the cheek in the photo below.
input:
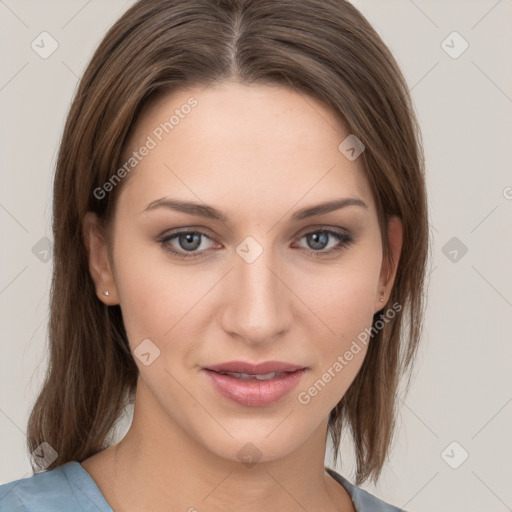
(343, 297)
(160, 300)
(149, 294)
(159, 297)
(345, 308)
(343, 301)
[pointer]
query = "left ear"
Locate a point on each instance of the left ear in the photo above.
(389, 268)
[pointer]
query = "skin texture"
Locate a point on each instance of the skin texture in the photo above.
(258, 154)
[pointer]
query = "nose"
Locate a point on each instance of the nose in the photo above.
(258, 304)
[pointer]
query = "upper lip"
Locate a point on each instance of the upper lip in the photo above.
(254, 369)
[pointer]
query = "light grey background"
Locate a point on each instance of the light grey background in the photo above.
(462, 390)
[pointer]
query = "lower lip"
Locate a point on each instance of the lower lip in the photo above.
(254, 393)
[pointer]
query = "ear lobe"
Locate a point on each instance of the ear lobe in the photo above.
(99, 263)
(389, 268)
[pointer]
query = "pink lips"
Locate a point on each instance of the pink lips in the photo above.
(252, 392)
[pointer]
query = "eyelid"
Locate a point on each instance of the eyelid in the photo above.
(344, 239)
(323, 227)
(167, 236)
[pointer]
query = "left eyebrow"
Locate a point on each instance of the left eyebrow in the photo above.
(327, 207)
(204, 210)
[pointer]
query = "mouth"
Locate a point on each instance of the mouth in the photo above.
(254, 385)
(248, 376)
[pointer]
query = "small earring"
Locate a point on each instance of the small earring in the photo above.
(106, 293)
(382, 300)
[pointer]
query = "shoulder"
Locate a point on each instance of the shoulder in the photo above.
(66, 488)
(363, 500)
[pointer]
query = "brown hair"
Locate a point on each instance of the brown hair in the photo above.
(322, 48)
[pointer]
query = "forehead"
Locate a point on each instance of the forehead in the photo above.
(261, 146)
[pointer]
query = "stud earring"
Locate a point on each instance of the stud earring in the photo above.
(106, 293)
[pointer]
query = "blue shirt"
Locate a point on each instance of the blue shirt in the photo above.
(69, 488)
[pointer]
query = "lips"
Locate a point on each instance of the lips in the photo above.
(254, 384)
(247, 376)
(254, 369)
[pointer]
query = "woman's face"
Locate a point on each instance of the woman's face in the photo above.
(275, 279)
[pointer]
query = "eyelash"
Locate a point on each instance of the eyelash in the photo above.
(345, 241)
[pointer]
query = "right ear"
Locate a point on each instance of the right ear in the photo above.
(99, 262)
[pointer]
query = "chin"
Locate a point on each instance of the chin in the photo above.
(252, 441)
